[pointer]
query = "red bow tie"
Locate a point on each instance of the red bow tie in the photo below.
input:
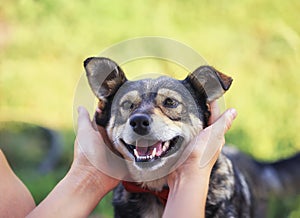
(135, 188)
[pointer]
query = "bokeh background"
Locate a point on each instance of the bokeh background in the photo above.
(43, 44)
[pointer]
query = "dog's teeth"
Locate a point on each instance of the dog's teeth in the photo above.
(136, 153)
(146, 157)
(166, 146)
(153, 152)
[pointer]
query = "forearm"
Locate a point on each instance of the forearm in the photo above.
(74, 196)
(187, 196)
(15, 200)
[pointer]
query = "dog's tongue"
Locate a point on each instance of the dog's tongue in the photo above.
(145, 147)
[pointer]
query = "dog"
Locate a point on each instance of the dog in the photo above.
(151, 123)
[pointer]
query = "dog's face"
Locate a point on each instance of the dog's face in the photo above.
(151, 121)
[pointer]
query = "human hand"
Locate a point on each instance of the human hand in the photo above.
(88, 180)
(191, 179)
(91, 155)
(208, 144)
(211, 139)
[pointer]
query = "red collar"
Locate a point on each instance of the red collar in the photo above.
(136, 188)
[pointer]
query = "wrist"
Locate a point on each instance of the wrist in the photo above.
(189, 174)
(76, 195)
(184, 186)
(83, 190)
(87, 179)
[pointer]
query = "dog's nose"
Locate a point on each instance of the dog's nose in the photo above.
(140, 123)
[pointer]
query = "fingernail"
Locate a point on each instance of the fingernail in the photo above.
(233, 112)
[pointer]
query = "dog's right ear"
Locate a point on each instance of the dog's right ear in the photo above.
(104, 75)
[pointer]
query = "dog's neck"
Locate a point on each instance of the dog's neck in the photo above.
(160, 189)
(155, 185)
(222, 165)
(133, 187)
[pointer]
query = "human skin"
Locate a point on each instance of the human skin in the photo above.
(189, 183)
(83, 187)
(79, 192)
(15, 200)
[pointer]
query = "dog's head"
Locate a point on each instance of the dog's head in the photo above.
(151, 121)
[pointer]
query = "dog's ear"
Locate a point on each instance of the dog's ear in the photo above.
(104, 75)
(105, 78)
(211, 81)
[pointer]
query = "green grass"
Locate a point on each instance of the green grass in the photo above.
(43, 45)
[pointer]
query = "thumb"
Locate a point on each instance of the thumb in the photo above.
(224, 122)
(216, 139)
(84, 121)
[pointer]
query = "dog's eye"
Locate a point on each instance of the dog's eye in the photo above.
(127, 105)
(170, 103)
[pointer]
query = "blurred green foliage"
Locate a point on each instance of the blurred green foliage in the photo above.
(43, 44)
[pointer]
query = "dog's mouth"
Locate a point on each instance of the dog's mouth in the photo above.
(159, 149)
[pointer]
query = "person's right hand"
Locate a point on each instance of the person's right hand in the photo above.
(191, 179)
(208, 144)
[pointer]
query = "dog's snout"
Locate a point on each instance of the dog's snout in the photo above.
(140, 123)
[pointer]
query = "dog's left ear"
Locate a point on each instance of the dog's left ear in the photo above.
(211, 81)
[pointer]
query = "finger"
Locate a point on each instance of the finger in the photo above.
(216, 140)
(102, 130)
(105, 137)
(224, 122)
(84, 121)
(94, 124)
(215, 112)
(211, 135)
